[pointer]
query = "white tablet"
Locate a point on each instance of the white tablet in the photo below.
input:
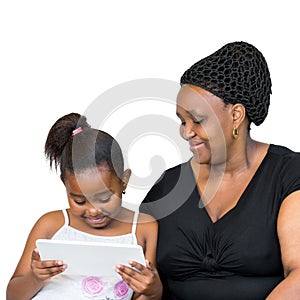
(90, 258)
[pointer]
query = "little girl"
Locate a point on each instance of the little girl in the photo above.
(92, 170)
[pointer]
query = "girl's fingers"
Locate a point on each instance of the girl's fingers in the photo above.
(128, 271)
(137, 266)
(35, 255)
(140, 278)
(150, 266)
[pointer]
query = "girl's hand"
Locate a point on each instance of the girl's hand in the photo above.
(45, 269)
(143, 281)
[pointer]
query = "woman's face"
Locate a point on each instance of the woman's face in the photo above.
(206, 123)
(94, 195)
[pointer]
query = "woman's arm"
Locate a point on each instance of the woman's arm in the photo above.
(31, 273)
(288, 228)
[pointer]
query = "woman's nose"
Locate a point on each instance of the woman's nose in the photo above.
(188, 131)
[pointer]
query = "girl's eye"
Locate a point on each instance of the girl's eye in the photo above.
(183, 123)
(80, 202)
(104, 200)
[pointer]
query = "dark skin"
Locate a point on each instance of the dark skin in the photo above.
(94, 198)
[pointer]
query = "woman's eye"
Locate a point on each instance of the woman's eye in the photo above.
(183, 123)
(198, 122)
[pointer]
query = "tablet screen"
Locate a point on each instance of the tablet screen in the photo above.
(89, 258)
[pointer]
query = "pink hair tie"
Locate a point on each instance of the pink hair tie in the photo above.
(76, 131)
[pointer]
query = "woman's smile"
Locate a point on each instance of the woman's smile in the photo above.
(195, 146)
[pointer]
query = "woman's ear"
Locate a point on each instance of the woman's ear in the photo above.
(238, 114)
(126, 177)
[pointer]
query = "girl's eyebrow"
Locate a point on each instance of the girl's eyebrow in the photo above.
(108, 191)
(96, 195)
(76, 195)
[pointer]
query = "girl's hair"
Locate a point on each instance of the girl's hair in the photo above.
(72, 144)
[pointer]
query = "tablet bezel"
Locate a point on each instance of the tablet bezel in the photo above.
(90, 258)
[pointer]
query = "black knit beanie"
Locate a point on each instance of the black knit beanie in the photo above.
(236, 73)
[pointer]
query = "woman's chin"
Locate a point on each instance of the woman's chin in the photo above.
(201, 158)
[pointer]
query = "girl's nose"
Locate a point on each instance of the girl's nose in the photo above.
(92, 210)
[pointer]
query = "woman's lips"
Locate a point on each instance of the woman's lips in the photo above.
(195, 146)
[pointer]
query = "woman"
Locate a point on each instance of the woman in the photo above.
(229, 217)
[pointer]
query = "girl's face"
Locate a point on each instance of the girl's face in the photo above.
(206, 123)
(95, 195)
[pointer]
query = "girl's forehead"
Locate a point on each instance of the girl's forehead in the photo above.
(92, 174)
(92, 181)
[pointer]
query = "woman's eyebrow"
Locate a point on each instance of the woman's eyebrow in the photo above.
(193, 113)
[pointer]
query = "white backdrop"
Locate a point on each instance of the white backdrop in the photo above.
(58, 56)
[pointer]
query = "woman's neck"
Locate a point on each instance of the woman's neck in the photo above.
(240, 158)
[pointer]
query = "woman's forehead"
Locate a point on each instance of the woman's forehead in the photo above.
(197, 100)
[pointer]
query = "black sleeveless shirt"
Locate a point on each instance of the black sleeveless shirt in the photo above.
(238, 256)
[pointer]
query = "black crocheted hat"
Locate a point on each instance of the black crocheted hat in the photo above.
(236, 73)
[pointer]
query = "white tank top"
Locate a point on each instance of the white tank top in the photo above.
(96, 287)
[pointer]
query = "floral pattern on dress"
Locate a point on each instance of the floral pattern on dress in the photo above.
(92, 286)
(121, 290)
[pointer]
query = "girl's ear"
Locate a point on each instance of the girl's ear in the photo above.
(126, 177)
(62, 179)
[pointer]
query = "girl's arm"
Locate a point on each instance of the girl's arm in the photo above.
(146, 283)
(289, 238)
(31, 273)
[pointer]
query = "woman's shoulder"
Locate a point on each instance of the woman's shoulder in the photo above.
(282, 151)
(173, 174)
(284, 166)
(285, 163)
(284, 155)
(178, 168)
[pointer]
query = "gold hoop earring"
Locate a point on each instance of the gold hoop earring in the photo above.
(235, 133)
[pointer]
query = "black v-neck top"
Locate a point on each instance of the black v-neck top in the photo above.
(238, 256)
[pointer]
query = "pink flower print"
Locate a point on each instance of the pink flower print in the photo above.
(121, 289)
(92, 286)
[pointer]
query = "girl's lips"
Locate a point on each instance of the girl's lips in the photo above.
(95, 220)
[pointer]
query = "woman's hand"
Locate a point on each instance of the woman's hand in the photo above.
(143, 280)
(45, 269)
